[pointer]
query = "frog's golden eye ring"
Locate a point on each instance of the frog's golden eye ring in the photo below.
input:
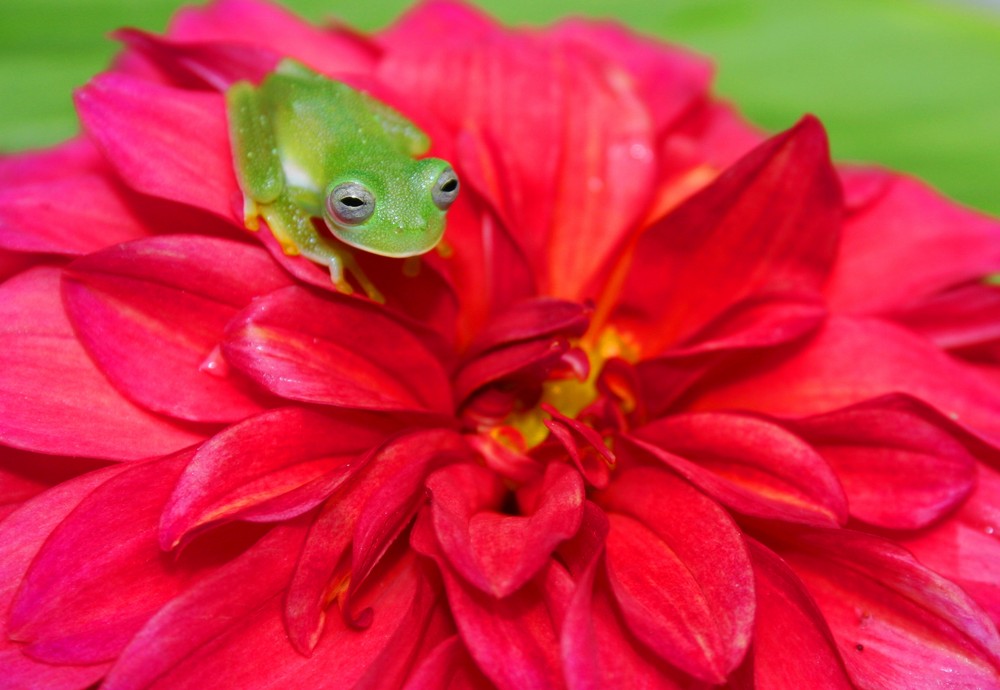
(445, 189)
(350, 203)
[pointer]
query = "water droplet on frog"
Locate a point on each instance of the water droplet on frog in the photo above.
(215, 364)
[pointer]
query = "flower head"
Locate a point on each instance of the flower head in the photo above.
(680, 405)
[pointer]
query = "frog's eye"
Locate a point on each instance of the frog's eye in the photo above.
(445, 189)
(350, 203)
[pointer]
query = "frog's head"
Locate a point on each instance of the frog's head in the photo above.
(393, 211)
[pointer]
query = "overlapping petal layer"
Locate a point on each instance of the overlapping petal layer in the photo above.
(666, 411)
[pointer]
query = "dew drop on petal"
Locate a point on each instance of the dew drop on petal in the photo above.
(215, 364)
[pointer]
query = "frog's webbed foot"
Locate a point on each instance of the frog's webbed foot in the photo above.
(294, 230)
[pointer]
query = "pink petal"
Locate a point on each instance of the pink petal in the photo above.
(499, 553)
(900, 462)
(513, 640)
(209, 609)
(55, 399)
(589, 131)
(199, 65)
(680, 572)
(748, 464)
(81, 605)
(24, 474)
(792, 644)
(145, 131)
(855, 359)
(896, 623)
(910, 243)
(345, 353)
(267, 26)
(48, 165)
(152, 312)
(966, 547)
(733, 241)
(72, 214)
(242, 471)
(21, 535)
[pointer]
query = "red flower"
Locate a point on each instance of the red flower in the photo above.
(680, 406)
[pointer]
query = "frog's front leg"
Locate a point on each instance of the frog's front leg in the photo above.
(293, 228)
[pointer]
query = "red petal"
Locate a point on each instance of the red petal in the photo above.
(911, 242)
(597, 651)
(549, 162)
(538, 318)
(79, 602)
(336, 351)
(24, 475)
(198, 65)
(959, 319)
(512, 639)
(447, 667)
(264, 25)
(394, 503)
(253, 651)
(385, 484)
(750, 465)
(21, 535)
(288, 453)
(734, 241)
(499, 553)
(680, 572)
(852, 360)
(211, 608)
(792, 644)
(669, 80)
(54, 399)
(966, 547)
(901, 465)
(145, 131)
(151, 313)
(896, 623)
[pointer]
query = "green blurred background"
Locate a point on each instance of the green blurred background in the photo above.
(911, 84)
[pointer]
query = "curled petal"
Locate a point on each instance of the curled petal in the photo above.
(345, 353)
(792, 644)
(266, 26)
(901, 463)
(270, 467)
(896, 623)
(513, 640)
(151, 314)
(499, 553)
(135, 122)
(680, 572)
(751, 465)
(767, 225)
(54, 399)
